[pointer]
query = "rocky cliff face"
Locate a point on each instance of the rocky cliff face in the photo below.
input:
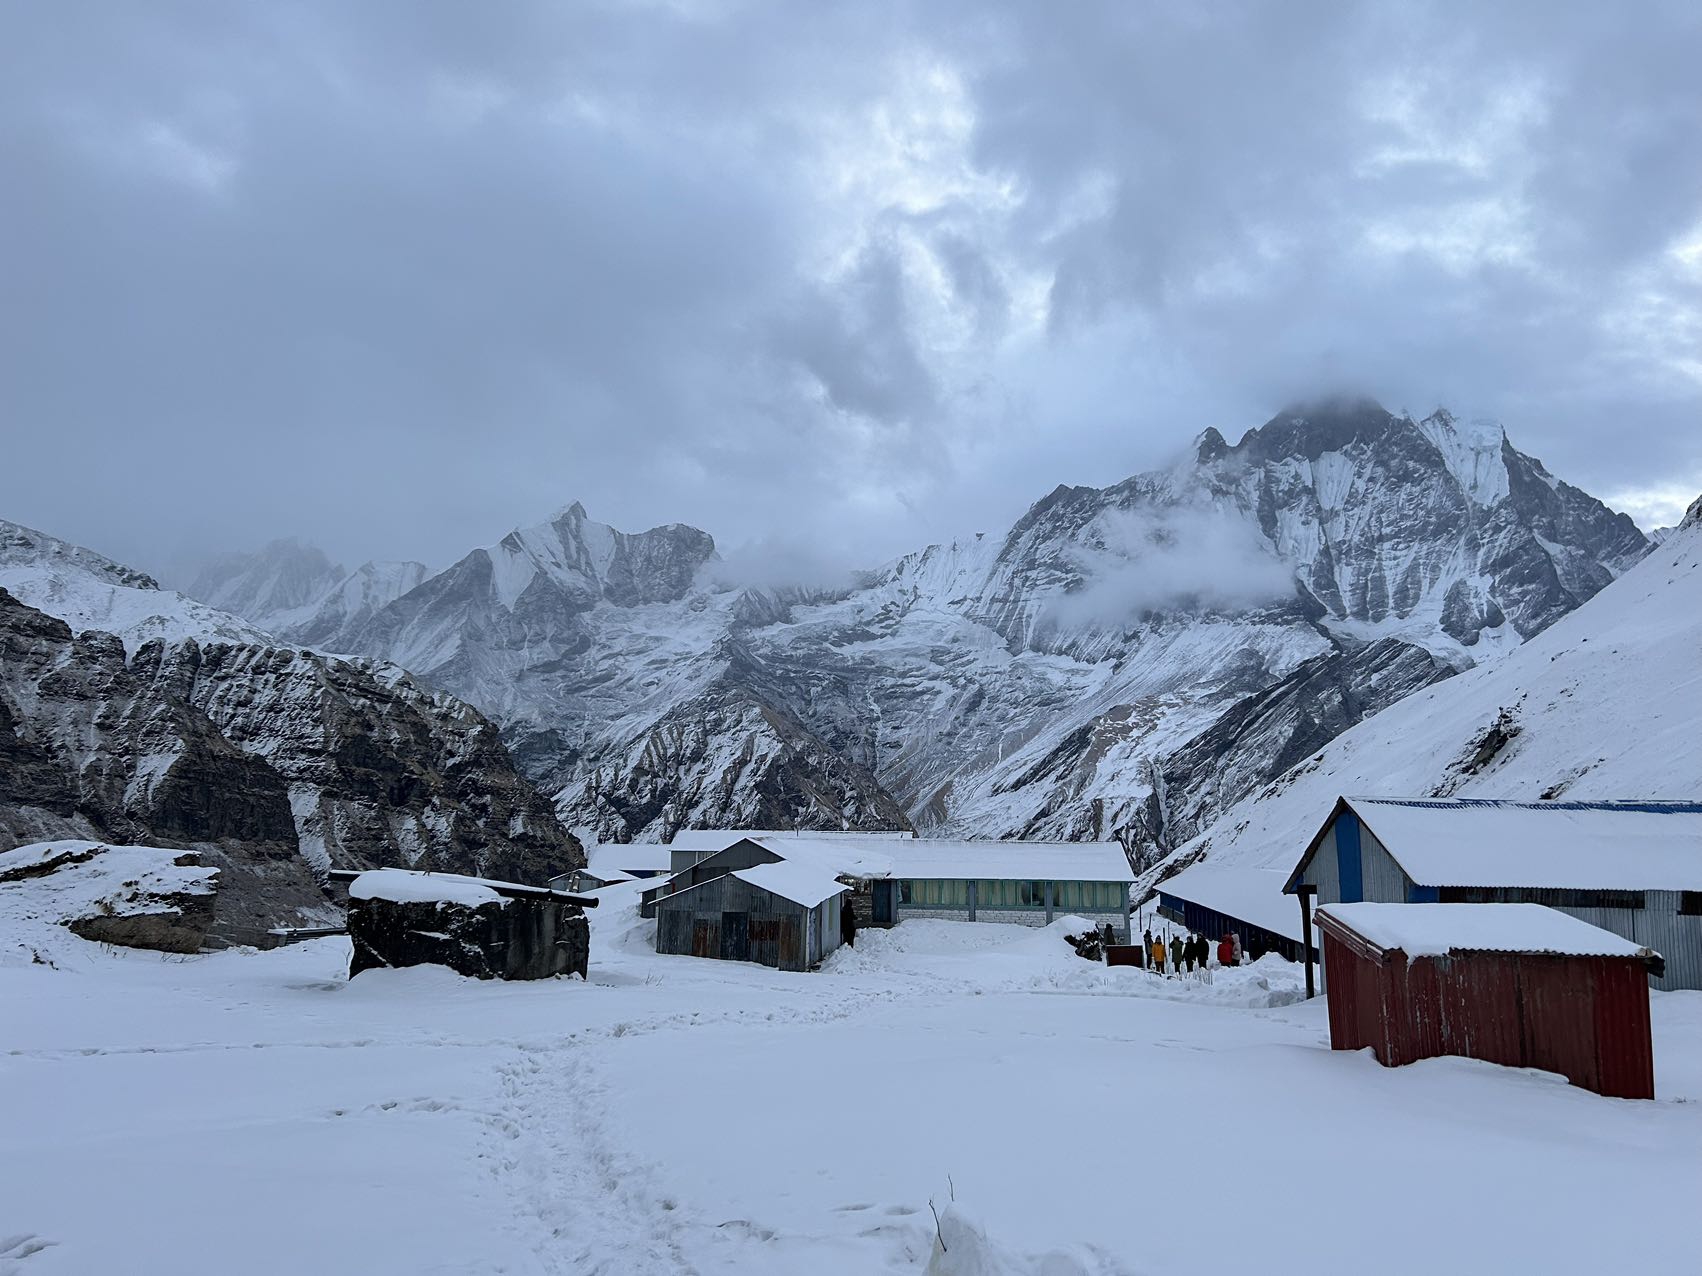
(272, 761)
(1200, 623)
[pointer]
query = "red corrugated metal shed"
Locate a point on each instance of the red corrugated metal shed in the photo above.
(1585, 1017)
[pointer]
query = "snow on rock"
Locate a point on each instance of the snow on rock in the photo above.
(132, 896)
(401, 886)
(88, 591)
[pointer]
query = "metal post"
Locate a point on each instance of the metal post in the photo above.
(1306, 935)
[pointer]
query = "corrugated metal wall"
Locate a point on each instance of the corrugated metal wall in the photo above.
(734, 920)
(1379, 877)
(1659, 925)
(1586, 1018)
(1322, 871)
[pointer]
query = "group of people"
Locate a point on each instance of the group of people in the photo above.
(1184, 956)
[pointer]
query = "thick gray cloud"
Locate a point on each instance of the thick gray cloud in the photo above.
(396, 277)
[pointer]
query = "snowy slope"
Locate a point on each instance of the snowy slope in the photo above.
(88, 591)
(1603, 704)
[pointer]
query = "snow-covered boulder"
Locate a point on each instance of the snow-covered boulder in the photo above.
(403, 918)
(134, 896)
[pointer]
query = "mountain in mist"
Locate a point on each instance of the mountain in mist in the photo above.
(292, 589)
(1125, 660)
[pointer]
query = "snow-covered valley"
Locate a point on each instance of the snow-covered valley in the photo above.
(258, 1112)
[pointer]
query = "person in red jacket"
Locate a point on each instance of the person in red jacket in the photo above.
(1226, 951)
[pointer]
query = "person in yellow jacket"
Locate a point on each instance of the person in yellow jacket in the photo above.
(1158, 955)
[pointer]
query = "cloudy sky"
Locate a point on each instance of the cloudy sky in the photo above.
(829, 280)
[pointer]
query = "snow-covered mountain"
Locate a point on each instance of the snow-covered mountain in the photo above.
(1068, 679)
(88, 591)
(189, 727)
(1603, 704)
(292, 590)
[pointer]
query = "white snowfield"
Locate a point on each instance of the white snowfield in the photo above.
(87, 592)
(1435, 930)
(260, 1113)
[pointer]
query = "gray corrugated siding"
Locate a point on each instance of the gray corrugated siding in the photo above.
(1382, 878)
(1657, 925)
(683, 916)
(1321, 872)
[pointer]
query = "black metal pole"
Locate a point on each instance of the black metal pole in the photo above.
(1306, 936)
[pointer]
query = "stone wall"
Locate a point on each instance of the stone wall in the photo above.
(504, 939)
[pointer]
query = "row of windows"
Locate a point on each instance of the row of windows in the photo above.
(1066, 896)
(1534, 895)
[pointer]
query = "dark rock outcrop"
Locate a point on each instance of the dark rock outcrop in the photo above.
(1265, 734)
(271, 763)
(499, 939)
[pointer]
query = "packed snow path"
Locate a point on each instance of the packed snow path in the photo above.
(260, 1113)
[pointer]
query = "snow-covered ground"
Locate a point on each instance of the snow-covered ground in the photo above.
(259, 1113)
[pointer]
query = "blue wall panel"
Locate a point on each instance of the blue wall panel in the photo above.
(1348, 868)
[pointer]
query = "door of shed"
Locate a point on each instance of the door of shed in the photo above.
(735, 936)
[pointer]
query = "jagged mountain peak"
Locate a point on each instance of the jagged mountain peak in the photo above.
(1033, 681)
(1209, 445)
(588, 561)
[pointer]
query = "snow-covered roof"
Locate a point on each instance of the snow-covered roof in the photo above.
(928, 858)
(721, 839)
(835, 856)
(624, 857)
(1431, 930)
(1252, 895)
(406, 886)
(1553, 845)
(800, 883)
